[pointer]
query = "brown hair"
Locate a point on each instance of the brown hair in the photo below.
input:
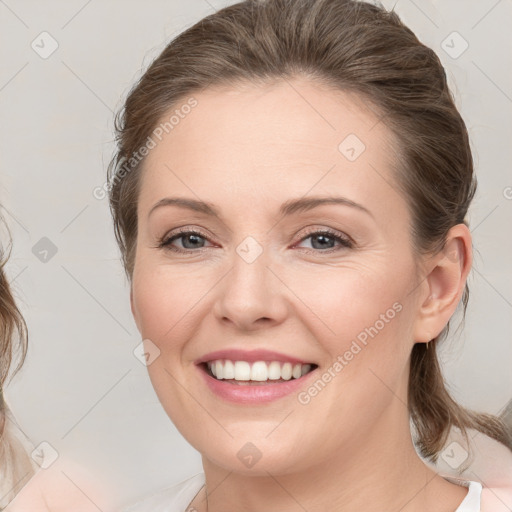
(15, 465)
(352, 46)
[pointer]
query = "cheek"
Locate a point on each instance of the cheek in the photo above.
(355, 305)
(160, 300)
(366, 334)
(164, 306)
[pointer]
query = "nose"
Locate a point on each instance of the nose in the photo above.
(251, 296)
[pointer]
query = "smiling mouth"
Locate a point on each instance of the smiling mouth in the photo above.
(256, 373)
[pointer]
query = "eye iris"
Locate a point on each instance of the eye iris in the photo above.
(191, 236)
(321, 237)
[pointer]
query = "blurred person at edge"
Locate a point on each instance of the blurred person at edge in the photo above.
(24, 485)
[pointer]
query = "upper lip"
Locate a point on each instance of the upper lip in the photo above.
(250, 356)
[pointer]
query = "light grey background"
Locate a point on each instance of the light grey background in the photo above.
(82, 390)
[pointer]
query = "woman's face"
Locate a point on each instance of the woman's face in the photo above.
(279, 277)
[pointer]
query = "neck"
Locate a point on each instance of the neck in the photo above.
(380, 472)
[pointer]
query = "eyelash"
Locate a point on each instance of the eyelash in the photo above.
(344, 241)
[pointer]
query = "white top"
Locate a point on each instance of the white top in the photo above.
(179, 497)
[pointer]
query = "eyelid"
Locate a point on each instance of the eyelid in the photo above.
(164, 242)
(319, 229)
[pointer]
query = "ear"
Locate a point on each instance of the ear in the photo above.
(443, 286)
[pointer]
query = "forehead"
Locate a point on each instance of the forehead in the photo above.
(290, 136)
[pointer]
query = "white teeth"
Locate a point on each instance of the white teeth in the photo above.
(242, 370)
(218, 370)
(259, 371)
(228, 372)
(305, 368)
(274, 370)
(286, 371)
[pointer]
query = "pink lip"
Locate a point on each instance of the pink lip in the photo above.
(250, 356)
(253, 394)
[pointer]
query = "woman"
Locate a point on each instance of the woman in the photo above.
(289, 195)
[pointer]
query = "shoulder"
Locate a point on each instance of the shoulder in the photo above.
(172, 499)
(497, 499)
(493, 467)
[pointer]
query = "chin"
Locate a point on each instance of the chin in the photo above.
(258, 458)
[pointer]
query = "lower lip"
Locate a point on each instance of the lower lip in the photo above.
(253, 394)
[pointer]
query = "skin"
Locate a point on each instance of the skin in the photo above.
(63, 487)
(247, 150)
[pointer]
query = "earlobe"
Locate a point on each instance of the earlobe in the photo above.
(444, 284)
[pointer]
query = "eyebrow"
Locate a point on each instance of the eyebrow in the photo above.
(288, 208)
